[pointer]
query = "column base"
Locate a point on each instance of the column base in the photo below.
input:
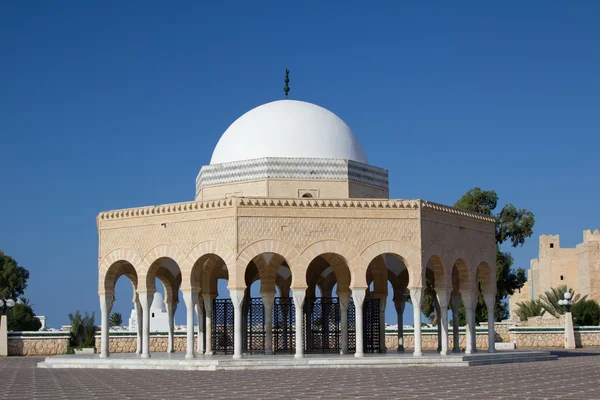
(171, 351)
(491, 350)
(343, 352)
(237, 356)
(443, 353)
(104, 355)
(384, 350)
(298, 355)
(190, 355)
(400, 349)
(456, 350)
(417, 353)
(145, 355)
(269, 353)
(359, 355)
(209, 353)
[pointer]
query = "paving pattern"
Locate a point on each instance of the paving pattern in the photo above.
(576, 375)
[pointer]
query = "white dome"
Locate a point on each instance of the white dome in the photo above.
(288, 128)
(158, 302)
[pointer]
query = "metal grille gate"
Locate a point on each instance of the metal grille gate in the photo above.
(321, 325)
(371, 325)
(254, 326)
(284, 326)
(222, 326)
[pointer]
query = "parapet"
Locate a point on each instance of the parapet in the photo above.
(588, 236)
(549, 242)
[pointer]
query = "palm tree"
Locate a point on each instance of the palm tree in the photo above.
(549, 300)
(531, 308)
(115, 319)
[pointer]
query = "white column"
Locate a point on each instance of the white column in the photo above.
(443, 297)
(138, 312)
(106, 301)
(171, 308)
(208, 311)
(299, 295)
(416, 295)
(189, 297)
(237, 297)
(200, 315)
(437, 313)
(382, 304)
(469, 300)
(344, 299)
(490, 303)
(569, 332)
(358, 295)
(399, 304)
(146, 302)
(4, 336)
(268, 299)
(455, 324)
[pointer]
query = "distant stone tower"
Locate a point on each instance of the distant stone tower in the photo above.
(578, 268)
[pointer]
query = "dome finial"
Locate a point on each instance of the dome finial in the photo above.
(286, 88)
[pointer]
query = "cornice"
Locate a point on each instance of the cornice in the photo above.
(255, 202)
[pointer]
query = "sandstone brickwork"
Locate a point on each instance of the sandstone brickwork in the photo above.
(18, 346)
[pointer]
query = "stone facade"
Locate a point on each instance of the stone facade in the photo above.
(578, 268)
(37, 344)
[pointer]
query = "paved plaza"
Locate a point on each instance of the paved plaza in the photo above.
(576, 375)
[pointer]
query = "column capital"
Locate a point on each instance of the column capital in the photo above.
(443, 297)
(106, 302)
(344, 299)
(298, 296)
(358, 295)
(490, 299)
(268, 299)
(416, 294)
(237, 297)
(469, 299)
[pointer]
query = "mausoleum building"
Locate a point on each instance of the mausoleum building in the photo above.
(290, 200)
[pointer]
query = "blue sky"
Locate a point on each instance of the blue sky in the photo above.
(105, 105)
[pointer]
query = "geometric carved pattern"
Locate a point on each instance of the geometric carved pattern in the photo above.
(291, 168)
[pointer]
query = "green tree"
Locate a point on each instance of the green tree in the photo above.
(549, 300)
(116, 319)
(22, 318)
(586, 312)
(13, 278)
(512, 225)
(83, 329)
(531, 308)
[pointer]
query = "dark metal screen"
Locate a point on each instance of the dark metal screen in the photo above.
(222, 326)
(371, 325)
(254, 326)
(322, 325)
(284, 327)
(351, 327)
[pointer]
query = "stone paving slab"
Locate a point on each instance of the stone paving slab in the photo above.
(576, 375)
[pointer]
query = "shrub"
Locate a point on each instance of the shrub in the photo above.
(586, 313)
(22, 318)
(528, 309)
(83, 330)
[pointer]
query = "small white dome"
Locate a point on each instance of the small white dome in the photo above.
(158, 303)
(288, 128)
